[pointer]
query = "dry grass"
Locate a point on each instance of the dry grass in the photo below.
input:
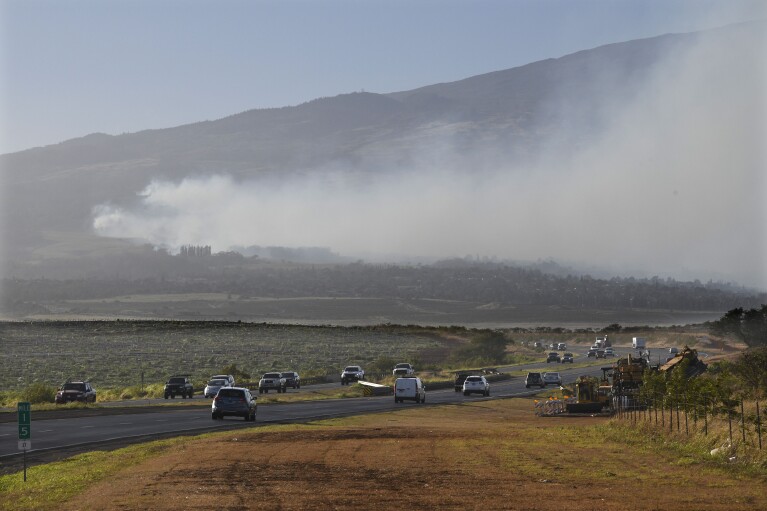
(482, 455)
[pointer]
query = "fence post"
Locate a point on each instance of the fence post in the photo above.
(742, 420)
(671, 416)
(758, 425)
(705, 416)
(662, 414)
(677, 417)
(686, 429)
(729, 420)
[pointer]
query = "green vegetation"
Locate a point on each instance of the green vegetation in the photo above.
(750, 326)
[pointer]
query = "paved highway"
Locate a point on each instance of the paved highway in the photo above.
(62, 436)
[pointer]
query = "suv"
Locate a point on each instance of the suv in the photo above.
(460, 377)
(476, 384)
(553, 357)
(534, 379)
(75, 391)
(567, 357)
(292, 379)
(403, 369)
(352, 373)
(179, 385)
(409, 388)
(234, 401)
(271, 381)
(227, 377)
(552, 379)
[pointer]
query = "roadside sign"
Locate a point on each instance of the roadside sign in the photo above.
(25, 445)
(24, 410)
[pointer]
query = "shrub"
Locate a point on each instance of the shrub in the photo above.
(39, 393)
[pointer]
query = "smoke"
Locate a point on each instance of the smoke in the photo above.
(674, 185)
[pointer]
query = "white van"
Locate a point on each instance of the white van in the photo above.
(638, 343)
(409, 388)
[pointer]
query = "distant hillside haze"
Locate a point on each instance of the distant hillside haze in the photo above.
(547, 119)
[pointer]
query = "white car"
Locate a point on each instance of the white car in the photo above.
(411, 388)
(476, 384)
(214, 385)
(227, 377)
(552, 379)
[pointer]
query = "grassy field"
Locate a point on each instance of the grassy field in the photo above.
(116, 353)
(481, 455)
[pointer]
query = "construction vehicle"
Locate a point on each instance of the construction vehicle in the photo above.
(693, 368)
(591, 394)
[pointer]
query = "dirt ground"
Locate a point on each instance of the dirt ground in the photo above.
(483, 455)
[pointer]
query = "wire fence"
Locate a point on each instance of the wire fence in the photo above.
(738, 420)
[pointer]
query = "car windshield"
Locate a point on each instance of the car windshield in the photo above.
(473, 378)
(287, 375)
(230, 393)
(568, 354)
(74, 386)
(402, 366)
(176, 380)
(216, 383)
(272, 375)
(352, 368)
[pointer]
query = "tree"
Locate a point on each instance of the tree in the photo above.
(749, 326)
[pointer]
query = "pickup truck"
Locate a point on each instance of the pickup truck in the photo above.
(403, 369)
(271, 381)
(352, 373)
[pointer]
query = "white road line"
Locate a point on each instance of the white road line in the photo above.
(124, 423)
(6, 434)
(45, 431)
(161, 420)
(85, 427)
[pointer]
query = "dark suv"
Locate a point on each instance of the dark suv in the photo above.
(179, 385)
(553, 357)
(234, 401)
(460, 377)
(76, 391)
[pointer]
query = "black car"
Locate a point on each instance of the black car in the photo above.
(553, 357)
(567, 357)
(76, 391)
(234, 401)
(178, 386)
(292, 379)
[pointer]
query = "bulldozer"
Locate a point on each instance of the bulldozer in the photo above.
(591, 394)
(694, 367)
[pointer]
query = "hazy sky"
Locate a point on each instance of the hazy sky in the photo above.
(69, 68)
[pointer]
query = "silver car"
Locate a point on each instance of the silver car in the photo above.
(213, 386)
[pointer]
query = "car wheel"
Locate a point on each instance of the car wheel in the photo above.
(423, 399)
(487, 393)
(246, 417)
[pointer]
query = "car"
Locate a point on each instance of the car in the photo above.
(409, 387)
(609, 352)
(234, 401)
(179, 385)
(292, 379)
(476, 384)
(567, 357)
(673, 350)
(553, 357)
(552, 346)
(460, 377)
(227, 377)
(550, 378)
(600, 353)
(271, 381)
(352, 373)
(538, 344)
(214, 385)
(75, 390)
(561, 346)
(403, 369)
(592, 352)
(534, 379)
